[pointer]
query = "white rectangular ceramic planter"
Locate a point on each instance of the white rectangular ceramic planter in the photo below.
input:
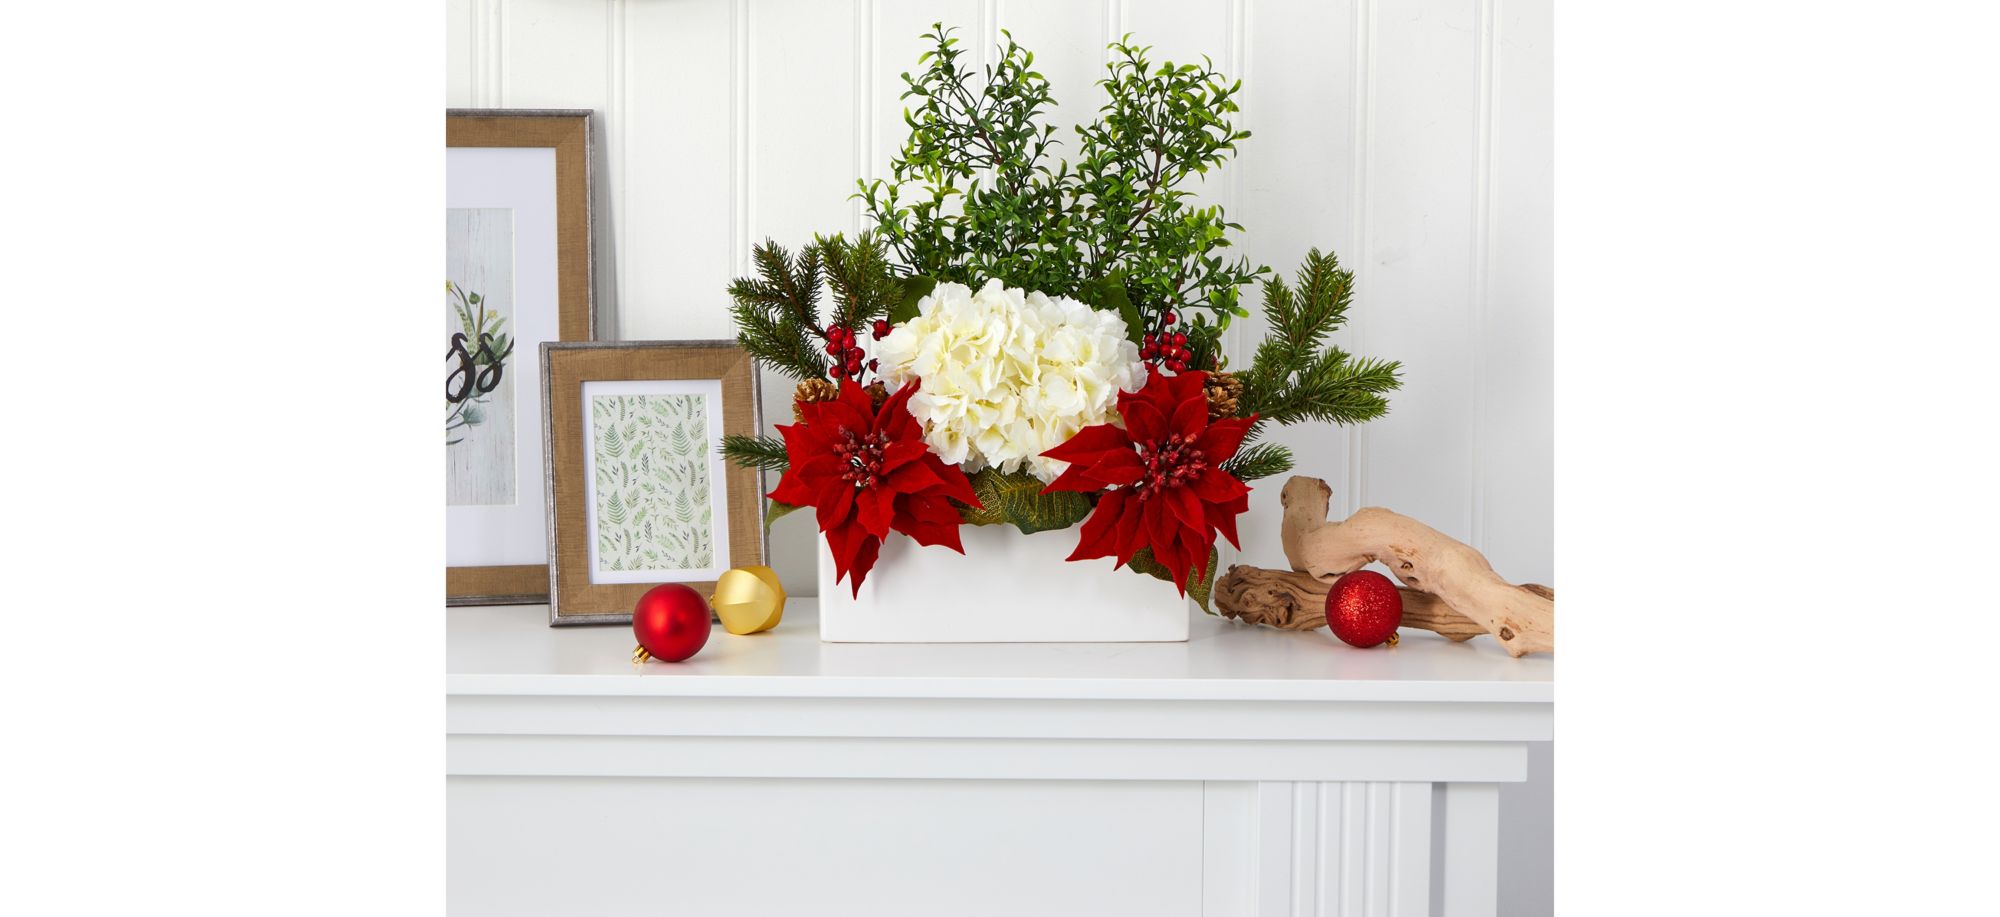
(1006, 588)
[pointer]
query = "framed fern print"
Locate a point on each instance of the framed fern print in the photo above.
(639, 491)
(517, 273)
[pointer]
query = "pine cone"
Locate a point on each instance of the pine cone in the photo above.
(877, 393)
(1224, 393)
(810, 391)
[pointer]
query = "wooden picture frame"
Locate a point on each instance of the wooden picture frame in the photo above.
(604, 551)
(495, 528)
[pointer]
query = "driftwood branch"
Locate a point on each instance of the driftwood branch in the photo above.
(1451, 577)
(1293, 600)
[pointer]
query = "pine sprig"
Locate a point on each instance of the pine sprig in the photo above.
(766, 452)
(1292, 378)
(863, 285)
(777, 312)
(1332, 387)
(1259, 461)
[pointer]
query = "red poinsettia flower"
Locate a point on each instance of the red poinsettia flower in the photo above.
(1164, 487)
(866, 472)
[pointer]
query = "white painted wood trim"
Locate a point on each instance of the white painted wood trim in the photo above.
(977, 759)
(532, 685)
(1410, 880)
(1032, 718)
(1471, 850)
(1230, 825)
(1317, 849)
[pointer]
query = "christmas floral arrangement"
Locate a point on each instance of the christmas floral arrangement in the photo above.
(1037, 342)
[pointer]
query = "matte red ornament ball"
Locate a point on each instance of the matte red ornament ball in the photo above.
(671, 622)
(1364, 609)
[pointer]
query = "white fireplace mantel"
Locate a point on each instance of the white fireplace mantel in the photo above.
(1245, 772)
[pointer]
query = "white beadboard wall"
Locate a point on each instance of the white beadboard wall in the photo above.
(1412, 137)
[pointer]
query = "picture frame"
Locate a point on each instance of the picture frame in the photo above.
(519, 259)
(633, 499)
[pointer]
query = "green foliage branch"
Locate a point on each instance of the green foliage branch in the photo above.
(975, 193)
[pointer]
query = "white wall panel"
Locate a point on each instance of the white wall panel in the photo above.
(753, 848)
(1068, 40)
(1411, 137)
(674, 157)
(1414, 273)
(562, 55)
(1297, 191)
(1517, 360)
(458, 70)
(802, 120)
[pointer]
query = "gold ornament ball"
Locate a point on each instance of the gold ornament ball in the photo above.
(749, 599)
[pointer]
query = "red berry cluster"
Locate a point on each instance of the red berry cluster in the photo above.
(841, 346)
(1168, 350)
(1169, 463)
(863, 455)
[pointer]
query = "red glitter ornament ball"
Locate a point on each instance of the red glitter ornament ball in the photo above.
(1364, 609)
(671, 622)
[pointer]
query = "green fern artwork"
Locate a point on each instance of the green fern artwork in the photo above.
(652, 479)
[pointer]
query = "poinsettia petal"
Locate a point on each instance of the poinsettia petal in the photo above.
(956, 485)
(820, 470)
(1143, 422)
(803, 441)
(1218, 443)
(902, 452)
(1189, 385)
(841, 542)
(1077, 478)
(1131, 534)
(1096, 538)
(1223, 519)
(1156, 385)
(835, 505)
(894, 416)
(1159, 392)
(1190, 416)
(875, 507)
(1118, 468)
(1090, 442)
(1216, 486)
(1186, 507)
(855, 395)
(831, 417)
(914, 477)
(1195, 545)
(800, 484)
(929, 520)
(792, 490)
(1168, 552)
(1160, 522)
(864, 561)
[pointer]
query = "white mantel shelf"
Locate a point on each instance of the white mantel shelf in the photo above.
(509, 650)
(1257, 771)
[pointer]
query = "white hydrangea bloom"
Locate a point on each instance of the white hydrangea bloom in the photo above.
(1004, 374)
